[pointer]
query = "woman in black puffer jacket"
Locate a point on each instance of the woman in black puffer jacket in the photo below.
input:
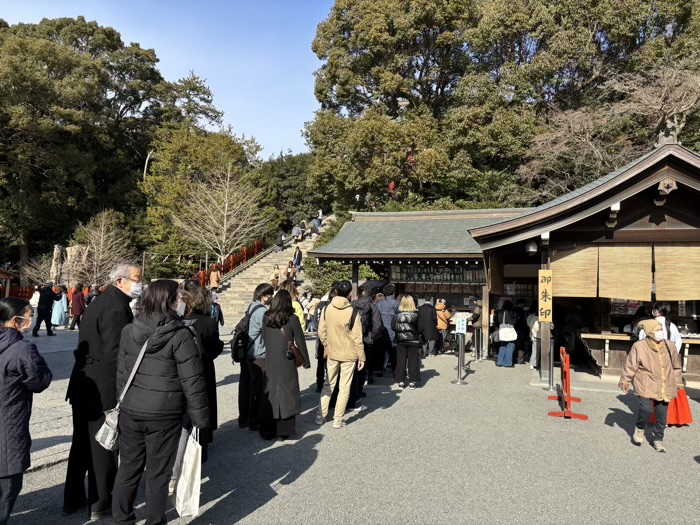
(408, 343)
(169, 381)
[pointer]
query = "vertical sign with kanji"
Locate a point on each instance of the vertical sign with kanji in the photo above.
(545, 296)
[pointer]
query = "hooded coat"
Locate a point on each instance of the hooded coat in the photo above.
(170, 380)
(281, 377)
(23, 372)
(341, 341)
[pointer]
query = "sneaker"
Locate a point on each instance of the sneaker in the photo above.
(638, 437)
(532, 367)
(338, 423)
(412, 386)
(171, 487)
(659, 446)
(359, 408)
(401, 385)
(320, 420)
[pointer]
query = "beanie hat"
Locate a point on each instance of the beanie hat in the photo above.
(649, 326)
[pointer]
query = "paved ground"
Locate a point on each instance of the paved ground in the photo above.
(482, 453)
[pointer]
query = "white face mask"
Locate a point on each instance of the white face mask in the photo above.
(135, 290)
(659, 336)
(180, 309)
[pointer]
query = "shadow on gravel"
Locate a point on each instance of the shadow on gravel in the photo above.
(697, 459)
(229, 380)
(625, 419)
(48, 442)
(253, 474)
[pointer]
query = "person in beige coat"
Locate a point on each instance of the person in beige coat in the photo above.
(654, 369)
(340, 332)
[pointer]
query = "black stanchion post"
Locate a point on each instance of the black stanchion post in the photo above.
(460, 361)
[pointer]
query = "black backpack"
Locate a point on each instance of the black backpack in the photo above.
(364, 309)
(241, 340)
(320, 307)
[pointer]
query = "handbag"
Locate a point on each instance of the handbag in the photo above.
(108, 434)
(506, 332)
(293, 351)
(189, 480)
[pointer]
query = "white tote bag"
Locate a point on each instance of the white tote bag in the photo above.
(190, 478)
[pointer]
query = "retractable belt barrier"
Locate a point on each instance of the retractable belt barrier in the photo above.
(565, 397)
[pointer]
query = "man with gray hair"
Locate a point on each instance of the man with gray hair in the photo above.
(93, 389)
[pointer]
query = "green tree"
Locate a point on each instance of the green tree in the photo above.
(76, 109)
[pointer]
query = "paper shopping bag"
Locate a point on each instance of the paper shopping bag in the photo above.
(189, 480)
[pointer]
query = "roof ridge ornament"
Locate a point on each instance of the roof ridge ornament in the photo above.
(668, 135)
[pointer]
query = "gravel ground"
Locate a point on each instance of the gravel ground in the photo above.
(482, 453)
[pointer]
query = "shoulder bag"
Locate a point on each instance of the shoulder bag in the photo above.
(108, 434)
(506, 332)
(293, 351)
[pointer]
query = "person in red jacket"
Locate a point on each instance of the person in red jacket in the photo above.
(77, 306)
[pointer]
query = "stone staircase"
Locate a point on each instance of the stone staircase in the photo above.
(236, 292)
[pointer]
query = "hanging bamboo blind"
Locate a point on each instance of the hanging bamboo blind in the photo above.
(575, 272)
(677, 274)
(625, 271)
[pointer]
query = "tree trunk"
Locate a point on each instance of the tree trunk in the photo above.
(23, 256)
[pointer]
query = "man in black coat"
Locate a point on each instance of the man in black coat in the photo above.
(92, 390)
(43, 312)
(372, 333)
(427, 324)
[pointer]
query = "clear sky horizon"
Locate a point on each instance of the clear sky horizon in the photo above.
(255, 55)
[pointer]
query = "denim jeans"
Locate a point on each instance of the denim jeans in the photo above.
(505, 353)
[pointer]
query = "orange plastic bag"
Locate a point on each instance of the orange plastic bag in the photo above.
(678, 411)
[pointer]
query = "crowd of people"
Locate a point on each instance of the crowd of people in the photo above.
(158, 367)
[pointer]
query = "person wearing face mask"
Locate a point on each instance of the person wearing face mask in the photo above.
(92, 390)
(23, 372)
(654, 369)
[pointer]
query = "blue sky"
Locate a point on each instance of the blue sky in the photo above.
(255, 55)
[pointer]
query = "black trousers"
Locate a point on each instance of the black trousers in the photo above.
(88, 457)
(10, 487)
(145, 444)
(407, 352)
(321, 371)
(75, 322)
(43, 315)
(646, 408)
(251, 392)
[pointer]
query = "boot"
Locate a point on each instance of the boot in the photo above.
(638, 437)
(659, 446)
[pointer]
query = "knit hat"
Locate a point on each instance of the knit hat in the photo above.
(649, 326)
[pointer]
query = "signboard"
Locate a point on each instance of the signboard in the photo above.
(461, 325)
(435, 273)
(544, 296)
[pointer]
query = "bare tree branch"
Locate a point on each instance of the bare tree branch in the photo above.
(222, 214)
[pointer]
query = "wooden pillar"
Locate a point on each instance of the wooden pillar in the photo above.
(485, 317)
(355, 279)
(545, 331)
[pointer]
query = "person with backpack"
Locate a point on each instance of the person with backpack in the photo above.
(216, 311)
(371, 333)
(251, 384)
(342, 341)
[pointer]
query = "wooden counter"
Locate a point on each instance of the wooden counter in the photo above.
(609, 351)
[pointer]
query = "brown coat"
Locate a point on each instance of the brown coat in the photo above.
(339, 343)
(443, 317)
(215, 278)
(655, 371)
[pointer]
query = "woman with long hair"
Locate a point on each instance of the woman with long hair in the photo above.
(168, 383)
(198, 309)
(408, 343)
(23, 372)
(290, 272)
(59, 314)
(282, 330)
(288, 286)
